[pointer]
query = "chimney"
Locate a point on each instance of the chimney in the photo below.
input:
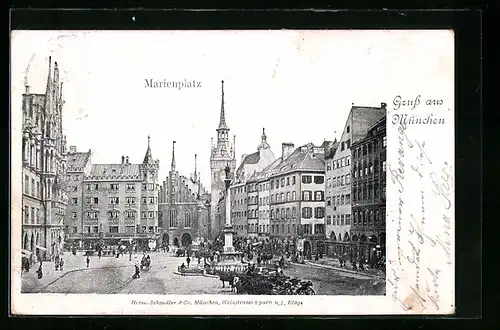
(286, 150)
(123, 160)
(72, 149)
(27, 89)
(383, 105)
(126, 160)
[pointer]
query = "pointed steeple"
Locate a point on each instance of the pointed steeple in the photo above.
(148, 158)
(48, 90)
(263, 144)
(222, 121)
(172, 166)
(195, 177)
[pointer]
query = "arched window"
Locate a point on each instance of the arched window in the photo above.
(173, 222)
(187, 219)
(294, 212)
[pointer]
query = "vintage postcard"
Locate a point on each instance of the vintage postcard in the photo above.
(232, 172)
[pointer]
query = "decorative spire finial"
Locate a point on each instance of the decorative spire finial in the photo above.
(173, 156)
(222, 122)
(195, 169)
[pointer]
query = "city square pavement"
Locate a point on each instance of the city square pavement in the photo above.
(110, 275)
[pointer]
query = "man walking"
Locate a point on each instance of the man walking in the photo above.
(88, 261)
(188, 260)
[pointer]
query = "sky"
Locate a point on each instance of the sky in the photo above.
(298, 85)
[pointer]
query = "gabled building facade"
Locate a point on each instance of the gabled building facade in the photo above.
(184, 207)
(44, 193)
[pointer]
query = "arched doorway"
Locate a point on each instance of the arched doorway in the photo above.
(186, 239)
(165, 240)
(307, 249)
(25, 241)
(176, 241)
(332, 236)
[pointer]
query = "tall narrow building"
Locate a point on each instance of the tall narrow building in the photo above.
(222, 155)
(45, 196)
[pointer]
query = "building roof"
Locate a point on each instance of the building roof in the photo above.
(114, 171)
(303, 158)
(77, 161)
(250, 159)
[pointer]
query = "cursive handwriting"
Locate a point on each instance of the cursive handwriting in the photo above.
(415, 260)
(442, 185)
(434, 294)
(416, 228)
(394, 281)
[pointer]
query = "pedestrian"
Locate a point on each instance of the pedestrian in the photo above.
(40, 271)
(137, 273)
(61, 264)
(130, 256)
(88, 261)
(188, 261)
(99, 253)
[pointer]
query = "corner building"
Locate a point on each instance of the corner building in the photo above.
(369, 171)
(119, 203)
(44, 193)
(339, 179)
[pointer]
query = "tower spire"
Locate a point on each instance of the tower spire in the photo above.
(148, 158)
(173, 157)
(222, 121)
(234, 146)
(263, 144)
(195, 169)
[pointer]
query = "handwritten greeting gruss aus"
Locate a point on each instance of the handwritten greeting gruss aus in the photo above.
(420, 216)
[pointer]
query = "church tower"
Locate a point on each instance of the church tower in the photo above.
(149, 175)
(222, 155)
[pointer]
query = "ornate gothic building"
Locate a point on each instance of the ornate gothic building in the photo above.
(183, 208)
(44, 195)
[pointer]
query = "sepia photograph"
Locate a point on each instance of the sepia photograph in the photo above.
(192, 163)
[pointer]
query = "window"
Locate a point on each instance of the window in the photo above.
(282, 182)
(319, 228)
(328, 166)
(113, 214)
(318, 195)
(384, 141)
(347, 179)
(26, 185)
(306, 195)
(151, 214)
(277, 183)
(38, 189)
(288, 181)
(328, 219)
(342, 146)
(88, 200)
(272, 184)
(343, 180)
(348, 199)
(89, 187)
(342, 200)
(282, 199)
(130, 200)
(144, 186)
(307, 229)
(74, 200)
(130, 214)
(306, 212)
(319, 179)
(348, 129)
(319, 212)
(96, 200)
(130, 229)
(32, 215)
(272, 198)
(342, 220)
(151, 200)
(334, 182)
(92, 215)
(342, 162)
(151, 186)
(272, 214)
(294, 212)
(187, 219)
(328, 201)
(348, 160)
(113, 229)
(113, 186)
(114, 200)
(287, 196)
(144, 200)
(348, 219)
(293, 196)
(130, 187)
(306, 179)
(329, 183)
(288, 211)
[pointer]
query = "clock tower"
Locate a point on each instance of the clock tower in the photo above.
(222, 155)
